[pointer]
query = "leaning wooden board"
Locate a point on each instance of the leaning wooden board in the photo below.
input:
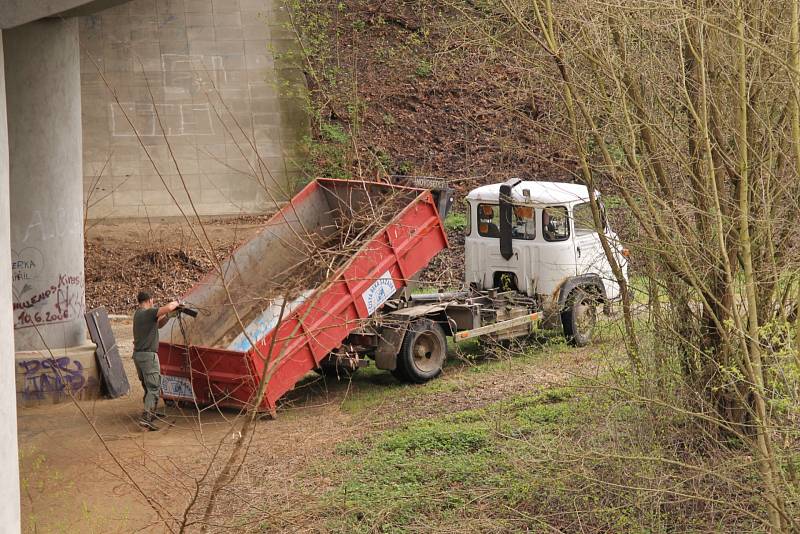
(115, 380)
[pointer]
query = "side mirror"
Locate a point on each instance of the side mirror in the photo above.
(506, 215)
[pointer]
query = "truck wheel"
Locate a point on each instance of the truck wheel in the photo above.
(422, 353)
(580, 317)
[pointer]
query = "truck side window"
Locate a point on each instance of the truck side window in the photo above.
(524, 226)
(555, 223)
(582, 215)
(489, 220)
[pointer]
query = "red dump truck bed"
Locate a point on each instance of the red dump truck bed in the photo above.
(320, 267)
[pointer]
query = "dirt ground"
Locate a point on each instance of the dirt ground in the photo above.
(88, 467)
(71, 483)
(75, 480)
(164, 256)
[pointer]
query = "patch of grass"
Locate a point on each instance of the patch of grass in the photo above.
(544, 461)
(485, 356)
(455, 222)
(546, 414)
(549, 396)
(437, 438)
(422, 290)
(351, 448)
(40, 482)
(388, 119)
(424, 69)
(326, 157)
(384, 159)
(371, 386)
(434, 471)
(334, 133)
(405, 168)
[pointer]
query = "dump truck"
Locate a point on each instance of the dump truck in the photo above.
(328, 286)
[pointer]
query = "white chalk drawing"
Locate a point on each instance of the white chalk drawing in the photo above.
(183, 77)
(177, 119)
(185, 74)
(193, 62)
(54, 224)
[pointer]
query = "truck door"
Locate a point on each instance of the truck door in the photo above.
(557, 253)
(590, 258)
(483, 257)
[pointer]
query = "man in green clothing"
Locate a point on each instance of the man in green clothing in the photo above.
(146, 321)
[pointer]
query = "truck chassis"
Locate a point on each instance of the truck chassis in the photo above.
(399, 337)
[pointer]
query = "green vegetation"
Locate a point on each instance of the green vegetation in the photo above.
(328, 150)
(371, 387)
(328, 154)
(337, 147)
(582, 457)
(424, 69)
(432, 472)
(699, 431)
(455, 222)
(37, 479)
(566, 458)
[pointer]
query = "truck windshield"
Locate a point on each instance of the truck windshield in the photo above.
(555, 223)
(523, 225)
(489, 220)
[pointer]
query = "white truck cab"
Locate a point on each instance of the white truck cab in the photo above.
(539, 238)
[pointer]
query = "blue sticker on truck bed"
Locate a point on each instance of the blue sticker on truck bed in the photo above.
(176, 387)
(379, 292)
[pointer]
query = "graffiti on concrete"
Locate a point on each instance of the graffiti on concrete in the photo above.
(56, 224)
(48, 377)
(59, 302)
(26, 265)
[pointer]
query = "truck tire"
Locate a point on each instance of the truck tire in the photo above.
(579, 317)
(422, 353)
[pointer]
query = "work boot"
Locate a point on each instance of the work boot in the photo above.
(160, 414)
(146, 421)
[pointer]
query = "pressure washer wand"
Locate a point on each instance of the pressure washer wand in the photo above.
(191, 312)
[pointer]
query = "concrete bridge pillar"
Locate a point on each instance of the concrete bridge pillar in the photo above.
(9, 468)
(43, 91)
